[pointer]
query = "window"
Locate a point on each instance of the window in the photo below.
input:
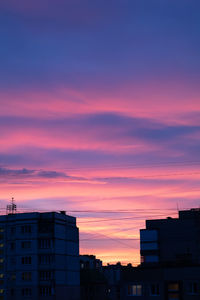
(150, 258)
(26, 292)
(82, 265)
(135, 290)
(26, 229)
(46, 259)
(173, 289)
(1, 291)
(46, 275)
(26, 245)
(154, 289)
(193, 288)
(45, 243)
(1, 245)
(12, 230)
(46, 291)
(13, 276)
(148, 246)
(1, 275)
(26, 260)
(26, 276)
(1, 260)
(13, 260)
(12, 246)
(1, 229)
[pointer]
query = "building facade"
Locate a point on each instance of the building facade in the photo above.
(172, 240)
(39, 256)
(161, 282)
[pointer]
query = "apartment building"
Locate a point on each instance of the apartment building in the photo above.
(39, 256)
(172, 240)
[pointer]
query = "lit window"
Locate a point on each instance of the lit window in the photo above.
(174, 286)
(1, 291)
(1, 229)
(82, 265)
(135, 290)
(1, 275)
(173, 290)
(173, 296)
(1, 245)
(1, 260)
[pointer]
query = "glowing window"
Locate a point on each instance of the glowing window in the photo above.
(173, 286)
(135, 290)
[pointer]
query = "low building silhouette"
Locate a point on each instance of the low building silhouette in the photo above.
(93, 281)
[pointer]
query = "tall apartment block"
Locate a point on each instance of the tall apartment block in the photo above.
(172, 240)
(39, 256)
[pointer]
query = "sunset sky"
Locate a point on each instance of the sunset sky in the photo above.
(100, 114)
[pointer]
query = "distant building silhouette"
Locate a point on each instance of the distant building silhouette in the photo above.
(172, 240)
(90, 262)
(93, 282)
(39, 256)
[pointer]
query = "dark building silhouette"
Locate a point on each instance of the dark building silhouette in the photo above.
(172, 240)
(93, 281)
(160, 282)
(170, 267)
(39, 256)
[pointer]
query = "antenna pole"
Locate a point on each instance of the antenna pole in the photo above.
(11, 208)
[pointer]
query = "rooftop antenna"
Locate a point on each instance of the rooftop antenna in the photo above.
(11, 208)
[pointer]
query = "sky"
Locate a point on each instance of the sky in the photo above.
(100, 114)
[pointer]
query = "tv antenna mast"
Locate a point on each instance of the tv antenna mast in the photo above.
(11, 208)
